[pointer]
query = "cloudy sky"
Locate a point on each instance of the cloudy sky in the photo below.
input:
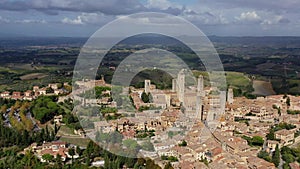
(214, 17)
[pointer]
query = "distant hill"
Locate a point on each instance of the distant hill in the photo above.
(146, 39)
(284, 41)
(11, 42)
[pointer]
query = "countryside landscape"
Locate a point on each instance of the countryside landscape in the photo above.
(48, 63)
(149, 84)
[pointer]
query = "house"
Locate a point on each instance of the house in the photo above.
(231, 144)
(58, 91)
(258, 163)
(191, 165)
(160, 100)
(128, 134)
(55, 145)
(5, 95)
(98, 163)
(163, 146)
(271, 145)
(36, 88)
(32, 147)
(294, 165)
(28, 95)
(61, 152)
(53, 148)
(53, 86)
(42, 91)
(16, 95)
(285, 136)
(58, 119)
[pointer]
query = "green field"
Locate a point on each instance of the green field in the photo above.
(77, 141)
(233, 79)
(237, 79)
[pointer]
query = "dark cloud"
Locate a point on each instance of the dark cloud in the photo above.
(169, 10)
(109, 7)
(274, 5)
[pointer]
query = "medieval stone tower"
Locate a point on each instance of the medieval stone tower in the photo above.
(181, 86)
(230, 96)
(200, 95)
(147, 86)
(200, 86)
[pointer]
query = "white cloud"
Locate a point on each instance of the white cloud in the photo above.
(154, 20)
(251, 17)
(88, 18)
(31, 21)
(279, 19)
(205, 18)
(159, 4)
(4, 20)
(76, 21)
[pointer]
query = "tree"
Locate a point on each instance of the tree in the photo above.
(288, 101)
(276, 156)
(26, 138)
(286, 166)
(3, 108)
(287, 154)
(288, 158)
(257, 140)
(47, 135)
(47, 157)
(78, 150)
(55, 128)
(271, 135)
(264, 155)
(29, 159)
(145, 97)
(72, 153)
(45, 108)
(58, 161)
(183, 143)
(237, 92)
(151, 165)
(168, 166)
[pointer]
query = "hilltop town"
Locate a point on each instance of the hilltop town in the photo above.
(188, 126)
(198, 126)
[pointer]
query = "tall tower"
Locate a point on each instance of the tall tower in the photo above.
(147, 86)
(222, 102)
(174, 85)
(199, 107)
(181, 86)
(230, 96)
(168, 100)
(200, 86)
